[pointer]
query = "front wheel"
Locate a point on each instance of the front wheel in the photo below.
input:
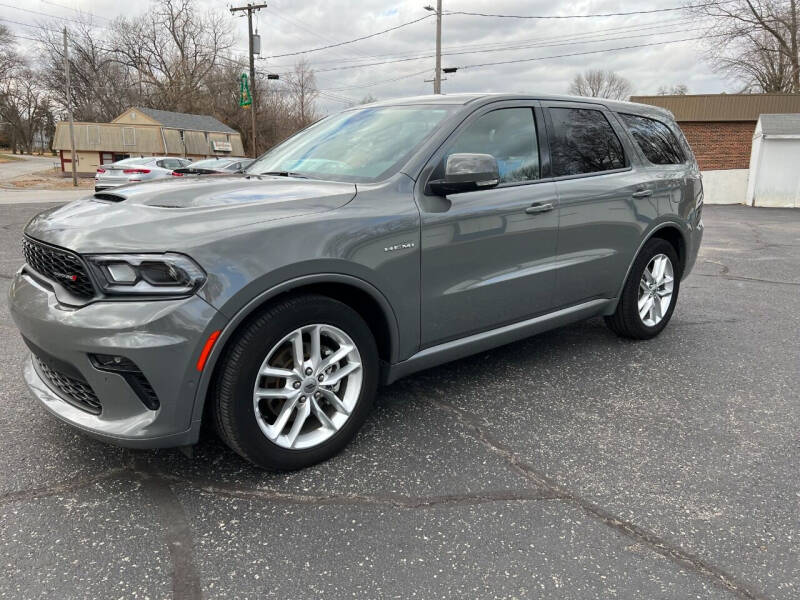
(650, 293)
(297, 383)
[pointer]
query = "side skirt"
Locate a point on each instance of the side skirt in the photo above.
(479, 342)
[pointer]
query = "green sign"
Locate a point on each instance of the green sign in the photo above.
(245, 99)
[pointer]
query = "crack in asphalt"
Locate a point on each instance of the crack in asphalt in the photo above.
(392, 500)
(678, 555)
(64, 487)
(724, 273)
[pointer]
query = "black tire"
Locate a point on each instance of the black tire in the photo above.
(234, 418)
(625, 321)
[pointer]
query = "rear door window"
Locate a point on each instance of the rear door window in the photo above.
(655, 139)
(583, 141)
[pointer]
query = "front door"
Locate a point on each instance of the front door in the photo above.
(488, 255)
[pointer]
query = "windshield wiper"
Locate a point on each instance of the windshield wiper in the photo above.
(286, 174)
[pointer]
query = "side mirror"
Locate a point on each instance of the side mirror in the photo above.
(466, 173)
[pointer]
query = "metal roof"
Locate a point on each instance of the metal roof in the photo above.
(186, 121)
(723, 107)
(780, 124)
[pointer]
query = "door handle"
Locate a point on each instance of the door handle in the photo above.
(539, 208)
(642, 193)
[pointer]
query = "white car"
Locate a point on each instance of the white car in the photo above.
(134, 170)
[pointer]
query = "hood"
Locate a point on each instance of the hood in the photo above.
(173, 213)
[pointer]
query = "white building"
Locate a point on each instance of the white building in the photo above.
(774, 178)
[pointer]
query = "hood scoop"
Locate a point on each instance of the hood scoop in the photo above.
(106, 197)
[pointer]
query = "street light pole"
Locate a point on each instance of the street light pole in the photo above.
(437, 76)
(250, 9)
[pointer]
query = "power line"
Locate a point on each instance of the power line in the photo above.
(77, 10)
(521, 60)
(44, 14)
(365, 37)
(411, 59)
(589, 16)
(523, 43)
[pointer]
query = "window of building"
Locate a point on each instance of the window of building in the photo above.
(508, 134)
(655, 139)
(583, 141)
(128, 136)
(92, 135)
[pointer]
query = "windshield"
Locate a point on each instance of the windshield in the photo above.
(131, 161)
(360, 145)
(212, 162)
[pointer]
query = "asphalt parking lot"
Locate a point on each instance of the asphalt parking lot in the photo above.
(571, 465)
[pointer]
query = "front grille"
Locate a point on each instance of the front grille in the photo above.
(59, 265)
(75, 391)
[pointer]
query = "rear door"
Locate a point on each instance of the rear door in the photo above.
(672, 176)
(488, 255)
(604, 196)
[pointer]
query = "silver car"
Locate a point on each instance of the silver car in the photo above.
(214, 166)
(135, 170)
(377, 242)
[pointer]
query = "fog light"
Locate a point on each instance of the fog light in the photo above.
(110, 362)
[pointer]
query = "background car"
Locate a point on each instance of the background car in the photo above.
(134, 170)
(214, 166)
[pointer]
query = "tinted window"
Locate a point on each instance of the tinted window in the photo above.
(655, 139)
(509, 135)
(583, 142)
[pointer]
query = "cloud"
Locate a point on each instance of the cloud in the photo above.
(289, 26)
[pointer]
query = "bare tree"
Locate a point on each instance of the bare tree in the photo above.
(302, 85)
(101, 86)
(25, 107)
(756, 42)
(680, 89)
(601, 83)
(173, 48)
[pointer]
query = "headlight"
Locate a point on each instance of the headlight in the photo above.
(167, 274)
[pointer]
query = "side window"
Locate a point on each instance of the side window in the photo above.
(163, 164)
(508, 134)
(655, 139)
(583, 141)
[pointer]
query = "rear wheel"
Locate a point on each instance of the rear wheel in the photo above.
(297, 383)
(650, 293)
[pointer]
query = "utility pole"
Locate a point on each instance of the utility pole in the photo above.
(69, 112)
(250, 9)
(437, 78)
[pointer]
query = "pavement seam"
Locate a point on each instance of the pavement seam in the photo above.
(678, 555)
(177, 533)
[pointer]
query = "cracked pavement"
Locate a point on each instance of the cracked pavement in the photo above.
(570, 465)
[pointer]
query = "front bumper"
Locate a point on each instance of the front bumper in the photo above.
(163, 338)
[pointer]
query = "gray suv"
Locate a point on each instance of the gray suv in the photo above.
(379, 241)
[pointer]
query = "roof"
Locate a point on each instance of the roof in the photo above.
(176, 120)
(788, 124)
(463, 99)
(723, 107)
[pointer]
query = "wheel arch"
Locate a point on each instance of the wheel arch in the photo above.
(669, 231)
(360, 295)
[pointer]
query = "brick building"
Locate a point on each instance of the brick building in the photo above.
(720, 127)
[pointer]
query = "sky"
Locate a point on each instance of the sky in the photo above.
(347, 74)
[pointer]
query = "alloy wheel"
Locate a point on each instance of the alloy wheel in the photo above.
(655, 290)
(307, 386)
